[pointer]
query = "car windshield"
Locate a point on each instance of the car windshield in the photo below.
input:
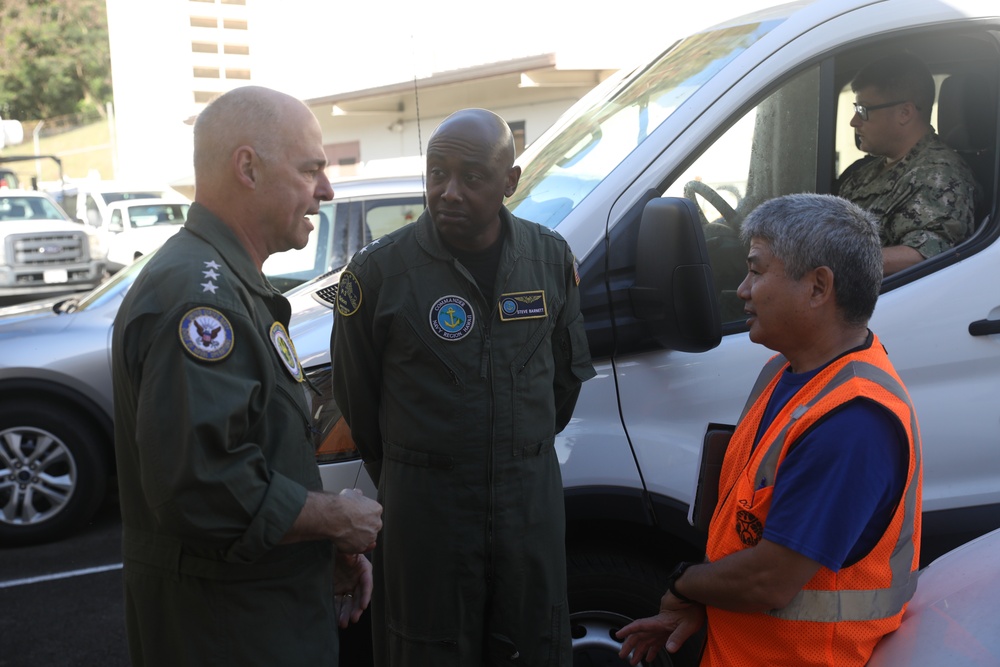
(599, 133)
(148, 215)
(29, 208)
(112, 197)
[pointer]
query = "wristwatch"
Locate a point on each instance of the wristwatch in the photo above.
(672, 582)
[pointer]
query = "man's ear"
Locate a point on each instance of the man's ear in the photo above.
(247, 166)
(822, 285)
(513, 177)
(907, 113)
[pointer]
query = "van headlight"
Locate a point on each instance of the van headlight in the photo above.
(331, 435)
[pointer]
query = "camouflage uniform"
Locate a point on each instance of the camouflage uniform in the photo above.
(924, 201)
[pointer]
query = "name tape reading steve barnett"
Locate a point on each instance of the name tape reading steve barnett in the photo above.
(523, 306)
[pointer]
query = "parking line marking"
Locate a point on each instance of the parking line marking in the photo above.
(60, 575)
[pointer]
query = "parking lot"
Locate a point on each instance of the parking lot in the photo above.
(62, 601)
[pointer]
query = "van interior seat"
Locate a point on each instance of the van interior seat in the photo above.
(967, 122)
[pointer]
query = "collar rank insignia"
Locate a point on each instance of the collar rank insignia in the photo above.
(286, 351)
(206, 334)
(523, 306)
(452, 317)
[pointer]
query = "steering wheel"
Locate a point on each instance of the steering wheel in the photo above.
(729, 214)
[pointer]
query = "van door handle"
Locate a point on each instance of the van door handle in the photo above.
(984, 327)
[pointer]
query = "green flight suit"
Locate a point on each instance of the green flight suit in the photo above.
(212, 436)
(454, 399)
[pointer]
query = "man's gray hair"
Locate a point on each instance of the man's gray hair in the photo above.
(249, 114)
(807, 231)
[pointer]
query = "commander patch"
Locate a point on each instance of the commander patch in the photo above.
(523, 306)
(206, 334)
(348, 294)
(452, 317)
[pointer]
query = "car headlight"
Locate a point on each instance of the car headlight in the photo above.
(96, 247)
(331, 434)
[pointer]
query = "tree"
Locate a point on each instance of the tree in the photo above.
(54, 58)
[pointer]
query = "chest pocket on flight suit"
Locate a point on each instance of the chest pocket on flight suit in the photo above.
(532, 372)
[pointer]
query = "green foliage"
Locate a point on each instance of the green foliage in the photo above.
(54, 58)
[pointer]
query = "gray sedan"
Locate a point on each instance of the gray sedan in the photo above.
(56, 443)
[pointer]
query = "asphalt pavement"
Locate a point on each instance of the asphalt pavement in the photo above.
(62, 602)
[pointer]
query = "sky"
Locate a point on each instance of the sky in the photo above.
(398, 40)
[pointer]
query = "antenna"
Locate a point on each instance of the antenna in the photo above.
(420, 138)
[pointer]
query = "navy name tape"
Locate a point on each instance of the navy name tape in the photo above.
(523, 306)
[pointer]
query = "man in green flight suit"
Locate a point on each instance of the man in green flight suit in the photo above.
(228, 538)
(458, 354)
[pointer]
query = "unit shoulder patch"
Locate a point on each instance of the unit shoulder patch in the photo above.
(286, 351)
(349, 294)
(206, 334)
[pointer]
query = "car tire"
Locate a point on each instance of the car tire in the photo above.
(53, 473)
(609, 589)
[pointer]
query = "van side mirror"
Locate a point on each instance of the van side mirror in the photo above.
(674, 293)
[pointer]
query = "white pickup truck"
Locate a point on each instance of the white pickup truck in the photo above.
(746, 111)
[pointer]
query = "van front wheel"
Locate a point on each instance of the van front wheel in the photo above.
(608, 590)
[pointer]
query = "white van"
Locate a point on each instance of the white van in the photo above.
(749, 110)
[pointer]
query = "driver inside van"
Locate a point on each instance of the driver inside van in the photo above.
(921, 190)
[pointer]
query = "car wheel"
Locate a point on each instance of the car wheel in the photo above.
(53, 473)
(608, 590)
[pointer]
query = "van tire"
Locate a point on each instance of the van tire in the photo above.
(68, 484)
(608, 589)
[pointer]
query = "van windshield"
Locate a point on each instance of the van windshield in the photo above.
(596, 137)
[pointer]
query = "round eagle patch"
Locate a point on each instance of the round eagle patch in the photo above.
(348, 294)
(286, 351)
(206, 334)
(452, 317)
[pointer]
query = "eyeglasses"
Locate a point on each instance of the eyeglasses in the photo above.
(863, 109)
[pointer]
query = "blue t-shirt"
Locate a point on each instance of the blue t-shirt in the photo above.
(836, 491)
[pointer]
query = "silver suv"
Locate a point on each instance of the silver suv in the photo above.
(362, 209)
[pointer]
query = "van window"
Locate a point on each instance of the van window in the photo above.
(768, 152)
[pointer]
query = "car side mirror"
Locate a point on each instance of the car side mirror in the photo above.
(674, 293)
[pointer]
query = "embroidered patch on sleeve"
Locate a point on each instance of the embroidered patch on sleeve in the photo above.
(348, 294)
(523, 306)
(206, 334)
(286, 351)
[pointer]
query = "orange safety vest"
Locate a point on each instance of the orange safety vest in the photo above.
(838, 617)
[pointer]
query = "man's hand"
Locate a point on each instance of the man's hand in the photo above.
(348, 519)
(352, 580)
(674, 625)
(359, 519)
